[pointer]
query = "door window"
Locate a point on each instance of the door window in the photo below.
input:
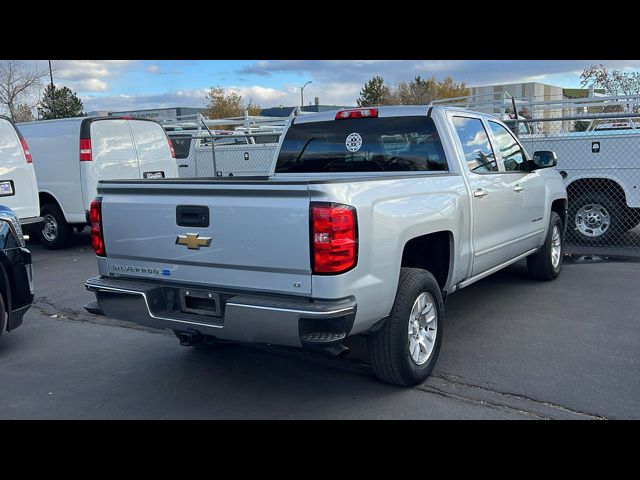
(512, 156)
(475, 145)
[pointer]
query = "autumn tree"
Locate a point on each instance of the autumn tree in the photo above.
(448, 88)
(613, 82)
(227, 103)
(60, 103)
(419, 91)
(374, 92)
(253, 109)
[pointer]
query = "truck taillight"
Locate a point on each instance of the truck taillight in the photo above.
(95, 220)
(173, 152)
(357, 113)
(25, 149)
(85, 150)
(334, 238)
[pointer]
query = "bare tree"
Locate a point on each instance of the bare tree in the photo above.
(18, 85)
(23, 113)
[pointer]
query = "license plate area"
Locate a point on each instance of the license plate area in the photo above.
(200, 302)
(6, 188)
(153, 175)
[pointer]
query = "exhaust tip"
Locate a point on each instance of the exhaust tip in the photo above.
(338, 350)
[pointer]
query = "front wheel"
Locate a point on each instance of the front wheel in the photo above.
(405, 349)
(547, 262)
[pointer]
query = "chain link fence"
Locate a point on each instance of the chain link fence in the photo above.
(224, 155)
(599, 159)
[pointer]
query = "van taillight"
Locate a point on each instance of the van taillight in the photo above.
(25, 149)
(334, 238)
(173, 152)
(85, 150)
(95, 220)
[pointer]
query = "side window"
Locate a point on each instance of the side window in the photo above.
(475, 144)
(513, 158)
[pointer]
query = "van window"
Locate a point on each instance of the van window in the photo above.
(10, 149)
(111, 142)
(151, 141)
(387, 144)
(181, 145)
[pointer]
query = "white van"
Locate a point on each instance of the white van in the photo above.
(18, 187)
(71, 155)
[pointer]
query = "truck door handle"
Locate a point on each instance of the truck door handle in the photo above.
(518, 188)
(480, 193)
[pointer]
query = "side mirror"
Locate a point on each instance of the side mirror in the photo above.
(544, 159)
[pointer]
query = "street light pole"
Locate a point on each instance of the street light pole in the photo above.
(53, 95)
(302, 93)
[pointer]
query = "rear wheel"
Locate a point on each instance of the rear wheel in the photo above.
(55, 232)
(632, 219)
(596, 218)
(405, 349)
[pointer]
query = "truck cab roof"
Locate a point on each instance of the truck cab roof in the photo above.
(388, 111)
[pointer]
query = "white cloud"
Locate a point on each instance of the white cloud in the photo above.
(91, 85)
(473, 72)
(154, 69)
(89, 75)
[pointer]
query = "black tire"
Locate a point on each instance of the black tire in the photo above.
(389, 346)
(63, 232)
(632, 218)
(540, 264)
(616, 212)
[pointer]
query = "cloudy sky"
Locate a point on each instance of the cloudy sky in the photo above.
(128, 84)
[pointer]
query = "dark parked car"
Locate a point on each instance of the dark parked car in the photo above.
(16, 279)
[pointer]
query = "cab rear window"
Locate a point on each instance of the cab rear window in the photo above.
(392, 144)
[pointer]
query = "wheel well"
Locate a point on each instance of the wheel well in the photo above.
(603, 185)
(47, 198)
(560, 207)
(430, 252)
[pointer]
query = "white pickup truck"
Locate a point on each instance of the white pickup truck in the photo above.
(372, 217)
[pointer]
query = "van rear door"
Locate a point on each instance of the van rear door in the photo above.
(154, 153)
(18, 187)
(113, 156)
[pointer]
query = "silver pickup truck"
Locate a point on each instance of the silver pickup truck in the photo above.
(371, 217)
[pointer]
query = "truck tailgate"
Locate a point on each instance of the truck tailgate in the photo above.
(259, 234)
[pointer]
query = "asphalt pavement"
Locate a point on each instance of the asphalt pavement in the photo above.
(512, 348)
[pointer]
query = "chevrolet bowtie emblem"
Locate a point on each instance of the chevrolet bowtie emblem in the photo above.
(193, 241)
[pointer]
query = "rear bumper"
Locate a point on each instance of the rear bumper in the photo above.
(242, 316)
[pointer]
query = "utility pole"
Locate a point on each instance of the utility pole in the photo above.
(53, 93)
(302, 93)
